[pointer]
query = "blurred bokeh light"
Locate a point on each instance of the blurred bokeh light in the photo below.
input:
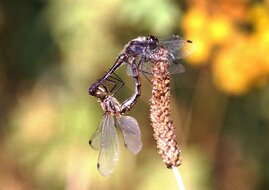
(52, 51)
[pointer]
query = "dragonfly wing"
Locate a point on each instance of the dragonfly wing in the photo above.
(175, 68)
(129, 70)
(109, 150)
(178, 47)
(147, 67)
(186, 49)
(95, 140)
(172, 43)
(131, 133)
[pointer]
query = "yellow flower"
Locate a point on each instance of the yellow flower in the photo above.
(226, 76)
(195, 25)
(201, 53)
(219, 29)
(240, 67)
(205, 31)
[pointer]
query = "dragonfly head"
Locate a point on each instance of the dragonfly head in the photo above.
(100, 92)
(152, 41)
(142, 45)
(93, 88)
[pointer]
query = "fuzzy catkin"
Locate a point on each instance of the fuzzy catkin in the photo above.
(160, 109)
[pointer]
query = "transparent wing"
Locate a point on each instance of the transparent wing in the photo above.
(178, 47)
(187, 49)
(174, 68)
(146, 69)
(95, 140)
(129, 66)
(172, 43)
(129, 70)
(109, 150)
(131, 133)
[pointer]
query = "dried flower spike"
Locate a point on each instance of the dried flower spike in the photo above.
(164, 131)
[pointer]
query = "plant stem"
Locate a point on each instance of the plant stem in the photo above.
(178, 178)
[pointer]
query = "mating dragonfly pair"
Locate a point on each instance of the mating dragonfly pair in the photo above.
(138, 56)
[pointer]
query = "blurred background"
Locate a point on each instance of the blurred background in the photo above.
(52, 51)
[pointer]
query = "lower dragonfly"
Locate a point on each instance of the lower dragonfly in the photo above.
(105, 138)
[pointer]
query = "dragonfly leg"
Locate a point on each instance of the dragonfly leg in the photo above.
(117, 83)
(144, 72)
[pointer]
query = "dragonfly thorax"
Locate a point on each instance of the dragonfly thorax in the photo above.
(142, 46)
(111, 105)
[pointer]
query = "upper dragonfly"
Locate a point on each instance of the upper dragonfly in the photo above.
(105, 138)
(140, 52)
(177, 48)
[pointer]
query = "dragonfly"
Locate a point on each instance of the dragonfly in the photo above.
(140, 53)
(176, 47)
(105, 137)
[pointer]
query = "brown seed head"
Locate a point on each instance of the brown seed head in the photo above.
(164, 131)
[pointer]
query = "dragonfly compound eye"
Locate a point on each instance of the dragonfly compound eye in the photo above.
(153, 41)
(100, 92)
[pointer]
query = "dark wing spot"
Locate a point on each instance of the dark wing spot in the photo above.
(98, 165)
(189, 41)
(125, 145)
(90, 142)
